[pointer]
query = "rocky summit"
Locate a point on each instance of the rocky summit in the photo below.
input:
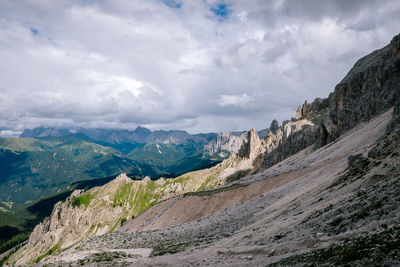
(321, 189)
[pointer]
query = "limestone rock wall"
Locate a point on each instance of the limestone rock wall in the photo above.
(371, 87)
(225, 142)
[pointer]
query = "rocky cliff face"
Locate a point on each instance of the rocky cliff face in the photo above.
(253, 146)
(289, 139)
(371, 87)
(225, 142)
(280, 141)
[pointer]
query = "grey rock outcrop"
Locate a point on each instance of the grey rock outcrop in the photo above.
(289, 139)
(371, 87)
(274, 126)
(228, 142)
(322, 135)
(253, 147)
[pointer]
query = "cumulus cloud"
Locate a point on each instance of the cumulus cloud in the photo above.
(205, 66)
(235, 100)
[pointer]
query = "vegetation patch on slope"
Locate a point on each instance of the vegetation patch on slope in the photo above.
(83, 200)
(15, 240)
(380, 249)
(168, 249)
(214, 191)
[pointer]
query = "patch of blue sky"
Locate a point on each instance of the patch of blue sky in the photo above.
(222, 11)
(34, 31)
(172, 3)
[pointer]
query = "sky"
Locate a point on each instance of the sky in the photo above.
(195, 65)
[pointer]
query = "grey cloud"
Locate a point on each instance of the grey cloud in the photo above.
(314, 9)
(127, 63)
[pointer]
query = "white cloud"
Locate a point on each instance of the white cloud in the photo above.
(163, 65)
(9, 133)
(242, 100)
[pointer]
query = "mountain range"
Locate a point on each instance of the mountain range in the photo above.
(44, 160)
(322, 189)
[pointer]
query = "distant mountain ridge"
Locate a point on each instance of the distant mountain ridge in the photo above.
(45, 160)
(119, 136)
(140, 135)
(35, 167)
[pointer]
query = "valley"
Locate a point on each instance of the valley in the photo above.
(45, 165)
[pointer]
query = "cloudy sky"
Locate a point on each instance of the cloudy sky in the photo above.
(198, 65)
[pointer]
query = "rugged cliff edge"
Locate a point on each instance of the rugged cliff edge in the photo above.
(371, 87)
(225, 144)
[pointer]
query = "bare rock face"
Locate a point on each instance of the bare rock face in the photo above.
(274, 126)
(322, 135)
(253, 147)
(298, 113)
(225, 142)
(302, 111)
(371, 87)
(289, 139)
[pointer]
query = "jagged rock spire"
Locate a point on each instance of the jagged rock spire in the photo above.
(274, 126)
(253, 147)
(302, 111)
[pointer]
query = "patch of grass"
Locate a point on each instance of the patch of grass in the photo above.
(82, 200)
(168, 249)
(9, 205)
(4, 259)
(237, 175)
(4, 209)
(15, 240)
(214, 191)
(107, 256)
(52, 250)
(211, 181)
(183, 178)
(145, 197)
(122, 195)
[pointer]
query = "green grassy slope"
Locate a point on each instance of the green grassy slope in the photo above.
(31, 168)
(35, 167)
(16, 220)
(172, 159)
